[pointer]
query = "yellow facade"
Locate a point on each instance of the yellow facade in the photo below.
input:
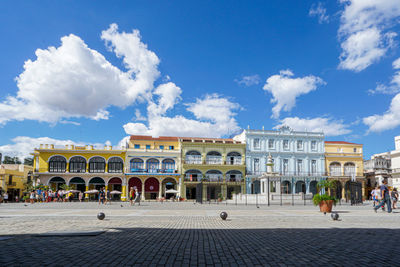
(214, 174)
(13, 178)
(85, 179)
(344, 162)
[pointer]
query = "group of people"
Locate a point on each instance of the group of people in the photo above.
(104, 196)
(52, 196)
(382, 197)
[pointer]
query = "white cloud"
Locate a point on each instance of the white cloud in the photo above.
(249, 80)
(214, 114)
(394, 86)
(168, 95)
(328, 126)
(365, 31)
(286, 89)
(72, 80)
(319, 11)
(389, 120)
(139, 116)
(22, 146)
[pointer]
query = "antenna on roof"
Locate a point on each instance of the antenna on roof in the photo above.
(248, 127)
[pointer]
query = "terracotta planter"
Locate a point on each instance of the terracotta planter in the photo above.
(326, 206)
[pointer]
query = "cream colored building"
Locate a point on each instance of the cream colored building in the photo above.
(13, 178)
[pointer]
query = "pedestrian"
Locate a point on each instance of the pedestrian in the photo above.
(375, 195)
(137, 196)
(102, 195)
(16, 198)
(5, 197)
(32, 197)
(131, 195)
(80, 196)
(395, 197)
(108, 197)
(385, 198)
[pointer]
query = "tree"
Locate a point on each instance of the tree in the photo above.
(28, 161)
(11, 160)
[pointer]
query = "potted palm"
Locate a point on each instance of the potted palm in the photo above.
(324, 200)
(220, 197)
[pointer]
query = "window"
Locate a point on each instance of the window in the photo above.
(271, 143)
(314, 145)
(171, 148)
(77, 164)
(355, 150)
(299, 145)
(115, 164)
(161, 147)
(57, 164)
(147, 146)
(256, 143)
(256, 165)
(285, 166)
(313, 166)
(137, 164)
(10, 180)
(168, 165)
(97, 164)
(152, 165)
(299, 166)
(136, 146)
(286, 144)
(339, 150)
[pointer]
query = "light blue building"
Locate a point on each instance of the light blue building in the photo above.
(298, 159)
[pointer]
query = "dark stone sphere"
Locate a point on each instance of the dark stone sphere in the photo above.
(223, 215)
(101, 216)
(334, 216)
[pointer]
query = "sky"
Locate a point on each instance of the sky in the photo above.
(95, 72)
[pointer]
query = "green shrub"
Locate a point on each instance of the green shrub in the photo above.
(318, 198)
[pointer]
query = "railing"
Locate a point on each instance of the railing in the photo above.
(193, 161)
(154, 171)
(212, 162)
(237, 178)
(289, 173)
(12, 184)
(190, 178)
(214, 177)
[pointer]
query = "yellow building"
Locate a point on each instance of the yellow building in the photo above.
(81, 167)
(344, 163)
(212, 168)
(154, 164)
(13, 178)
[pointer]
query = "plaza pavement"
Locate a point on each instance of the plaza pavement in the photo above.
(183, 234)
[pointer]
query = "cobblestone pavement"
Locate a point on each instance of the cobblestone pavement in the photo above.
(185, 234)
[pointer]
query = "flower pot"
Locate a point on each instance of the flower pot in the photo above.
(326, 206)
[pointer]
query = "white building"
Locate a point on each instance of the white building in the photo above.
(395, 162)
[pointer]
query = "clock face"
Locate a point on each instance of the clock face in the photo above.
(151, 187)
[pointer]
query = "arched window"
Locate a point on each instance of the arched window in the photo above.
(115, 164)
(335, 169)
(97, 164)
(193, 175)
(77, 164)
(214, 158)
(233, 176)
(214, 176)
(152, 165)
(234, 158)
(168, 165)
(137, 165)
(349, 169)
(57, 164)
(193, 157)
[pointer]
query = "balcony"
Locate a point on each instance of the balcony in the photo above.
(214, 160)
(12, 184)
(231, 178)
(153, 170)
(214, 178)
(289, 173)
(193, 178)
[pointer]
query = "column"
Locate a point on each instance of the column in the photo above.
(160, 190)
(343, 191)
(204, 192)
(123, 195)
(142, 196)
(87, 189)
(224, 191)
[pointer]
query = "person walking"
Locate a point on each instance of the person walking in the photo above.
(32, 197)
(80, 196)
(375, 195)
(395, 197)
(137, 197)
(131, 195)
(5, 197)
(101, 196)
(385, 198)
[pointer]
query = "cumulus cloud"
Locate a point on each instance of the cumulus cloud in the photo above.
(319, 11)
(72, 80)
(328, 126)
(389, 120)
(249, 80)
(22, 146)
(285, 89)
(365, 31)
(214, 118)
(394, 85)
(168, 95)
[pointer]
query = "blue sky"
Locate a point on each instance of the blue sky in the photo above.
(206, 68)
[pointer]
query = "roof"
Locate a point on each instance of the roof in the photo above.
(150, 138)
(340, 142)
(205, 138)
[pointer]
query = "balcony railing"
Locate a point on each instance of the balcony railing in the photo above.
(212, 162)
(191, 178)
(289, 173)
(12, 184)
(236, 178)
(153, 170)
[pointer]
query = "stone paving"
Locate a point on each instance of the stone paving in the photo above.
(187, 234)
